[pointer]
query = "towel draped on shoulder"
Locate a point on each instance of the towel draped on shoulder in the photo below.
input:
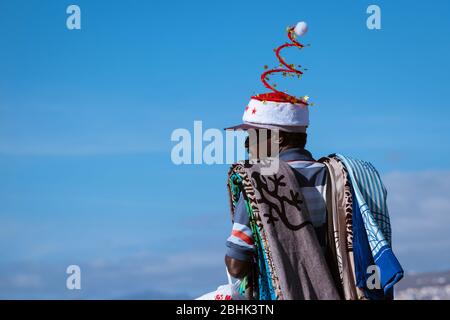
(289, 261)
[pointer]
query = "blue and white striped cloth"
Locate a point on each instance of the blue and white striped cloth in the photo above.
(370, 195)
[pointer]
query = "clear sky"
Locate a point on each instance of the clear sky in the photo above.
(86, 118)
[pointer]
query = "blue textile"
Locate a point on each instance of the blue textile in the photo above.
(371, 226)
(362, 253)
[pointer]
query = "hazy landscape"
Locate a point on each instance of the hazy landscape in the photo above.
(424, 286)
(421, 286)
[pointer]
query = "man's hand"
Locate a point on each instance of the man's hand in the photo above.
(237, 268)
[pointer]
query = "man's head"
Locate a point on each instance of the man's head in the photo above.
(277, 110)
(263, 142)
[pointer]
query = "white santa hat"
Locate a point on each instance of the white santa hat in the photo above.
(276, 109)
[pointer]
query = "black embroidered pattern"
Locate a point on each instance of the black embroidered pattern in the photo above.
(269, 189)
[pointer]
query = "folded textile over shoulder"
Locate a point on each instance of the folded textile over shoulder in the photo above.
(370, 241)
(290, 263)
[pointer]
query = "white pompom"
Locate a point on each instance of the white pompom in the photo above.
(301, 28)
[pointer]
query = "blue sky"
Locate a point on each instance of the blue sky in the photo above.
(86, 117)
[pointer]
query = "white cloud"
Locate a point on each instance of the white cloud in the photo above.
(419, 206)
(26, 281)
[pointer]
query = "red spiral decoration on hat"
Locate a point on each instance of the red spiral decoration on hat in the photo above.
(288, 68)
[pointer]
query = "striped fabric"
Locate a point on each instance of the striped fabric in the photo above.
(371, 196)
(240, 244)
(370, 202)
(241, 235)
(313, 187)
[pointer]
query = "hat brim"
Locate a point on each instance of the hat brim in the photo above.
(248, 126)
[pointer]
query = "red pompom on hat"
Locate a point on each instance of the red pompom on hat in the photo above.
(276, 109)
